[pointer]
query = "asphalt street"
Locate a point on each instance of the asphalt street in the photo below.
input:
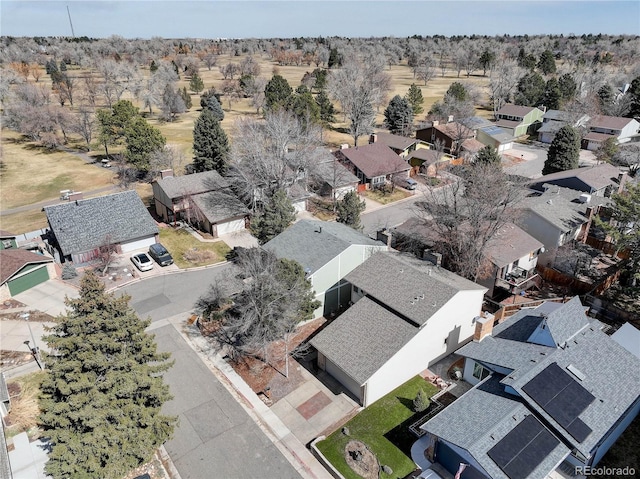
(216, 438)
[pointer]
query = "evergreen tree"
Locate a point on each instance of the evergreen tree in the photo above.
(547, 62)
(564, 151)
(335, 59)
(421, 402)
(486, 61)
(204, 98)
(63, 66)
(112, 123)
(196, 85)
(210, 144)
(607, 150)
(457, 91)
(488, 155)
(349, 209)
(102, 395)
(304, 106)
(567, 86)
(278, 214)
(320, 74)
(214, 106)
(552, 95)
(186, 98)
(398, 116)
(327, 110)
(277, 92)
(142, 140)
(153, 67)
(530, 90)
(606, 96)
(51, 66)
(415, 98)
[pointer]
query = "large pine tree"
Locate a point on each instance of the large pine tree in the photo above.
(398, 116)
(210, 144)
(278, 214)
(103, 392)
(564, 151)
(349, 209)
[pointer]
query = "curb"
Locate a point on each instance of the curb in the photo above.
(323, 460)
(167, 463)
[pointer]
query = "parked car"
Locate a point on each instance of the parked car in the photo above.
(160, 254)
(142, 261)
(407, 183)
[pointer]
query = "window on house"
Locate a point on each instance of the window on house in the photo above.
(377, 180)
(356, 289)
(480, 372)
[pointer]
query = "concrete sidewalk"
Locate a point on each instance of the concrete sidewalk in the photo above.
(295, 452)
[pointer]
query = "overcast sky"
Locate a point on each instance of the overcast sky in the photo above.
(351, 18)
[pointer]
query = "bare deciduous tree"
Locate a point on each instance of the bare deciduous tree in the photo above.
(503, 82)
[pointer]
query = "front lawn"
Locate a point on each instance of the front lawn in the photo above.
(188, 252)
(384, 197)
(378, 427)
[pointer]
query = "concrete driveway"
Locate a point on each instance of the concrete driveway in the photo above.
(48, 297)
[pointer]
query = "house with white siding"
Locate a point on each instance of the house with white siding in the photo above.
(327, 251)
(406, 315)
(603, 127)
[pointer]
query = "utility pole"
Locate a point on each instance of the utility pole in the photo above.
(35, 350)
(70, 23)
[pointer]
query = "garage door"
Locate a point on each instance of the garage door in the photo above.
(230, 227)
(28, 280)
(342, 377)
(138, 244)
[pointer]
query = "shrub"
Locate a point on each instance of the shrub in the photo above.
(68, 271)
(421, 401)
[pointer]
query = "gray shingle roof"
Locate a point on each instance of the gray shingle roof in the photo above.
(363, 339)
(334, 173)
(557, 209)
(218, 206)
(497, 133)
(515, 110)
(611, 374)
(314, 243)
(84, 225)
(596, 177)
(412, 287)
(480, 419)
(610, 122)
(178, 186)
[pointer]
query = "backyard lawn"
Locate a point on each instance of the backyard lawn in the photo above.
(188, 252)
(378, 427)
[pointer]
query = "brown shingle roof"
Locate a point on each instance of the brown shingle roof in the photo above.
(611, 122)
(472, 145)
(515, 110)
(6, 234)
(395, 141)
(13, 260)
(424, 156)
(509, 244)
(593, 136)
(375, 160)
(455, 130)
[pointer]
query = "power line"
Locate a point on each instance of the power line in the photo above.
(70, 23)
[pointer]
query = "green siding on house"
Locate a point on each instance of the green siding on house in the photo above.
(35, 274)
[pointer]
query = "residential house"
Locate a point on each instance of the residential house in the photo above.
(511, 254)
(401, 145)
(205, 199)
(553, 120)
(327, 251)
(7, 240)
(79, 229)
(406, 314)
(332, 179)
(599, 180)
(488, 134)
(602, 127)
(374, 164)
(552, 392)
(21, 270)
(427, 161)
(450, 135)
(558, 216)
(519, 120)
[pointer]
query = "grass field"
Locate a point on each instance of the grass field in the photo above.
(375, 426)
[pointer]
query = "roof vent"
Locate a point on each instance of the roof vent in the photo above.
(585, 198)
(576, 372)
(549, 202)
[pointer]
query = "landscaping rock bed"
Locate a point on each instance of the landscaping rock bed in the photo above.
(361, 460)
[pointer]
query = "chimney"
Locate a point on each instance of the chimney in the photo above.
(450, 119)
(385, 236)
(166, 173)
(344, 146)
(484, 327)
(435, 258)
(436, 122)
(75, 196)
(373, 138)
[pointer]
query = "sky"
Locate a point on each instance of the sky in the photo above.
(285, 19)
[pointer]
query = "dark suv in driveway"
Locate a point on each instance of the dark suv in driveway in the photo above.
(160, 254)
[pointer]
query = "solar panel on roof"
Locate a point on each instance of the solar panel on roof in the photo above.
(523, 448)
(562, 398)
